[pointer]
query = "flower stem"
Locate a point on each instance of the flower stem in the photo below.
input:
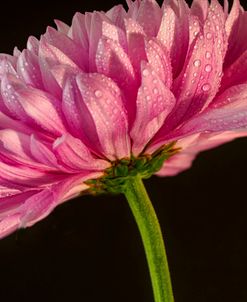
(152, 239)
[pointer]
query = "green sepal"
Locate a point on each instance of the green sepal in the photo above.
(115, 177)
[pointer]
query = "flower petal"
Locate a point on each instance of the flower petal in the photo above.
(136, 44)
(174, 32)
(159, 59)
(236, 73)
(154, 103)
(228, 112)
(8, 225)
(117, 14)
(112, 61)
(29, 70)
(149, 17)
(66, 45)
(50, 58)
(32, 106)
(191, 146)
(74, 108)
(72, 153)
(102, 98)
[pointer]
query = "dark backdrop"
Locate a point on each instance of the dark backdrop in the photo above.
(89, 249)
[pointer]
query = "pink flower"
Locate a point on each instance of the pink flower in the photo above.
(113, 85)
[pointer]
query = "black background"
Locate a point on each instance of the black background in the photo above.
(89, 249)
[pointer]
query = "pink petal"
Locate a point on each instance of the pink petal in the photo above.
(228, 112)
(37, 207)
(23, 175)
(149, 16)
(74, 108)
(195, 28)
(33, 106)
(80, 35)
(33, 45)
(112, 61)
(136, 44)
(50, 59)
(159, 59)
(9, 204)
(65, 45)
(154, 103)
(62, 27)
(29, 70)
(236, 73)
(176, 39)
(6, 67)
(200, 79)
(72, 153)
(236, 24)
(102, 98)
(95, 33)
(191, 146)
(15, 145)
(114, 33)
(43, 154)
(8, 225)
(199, 8)
(117, 15)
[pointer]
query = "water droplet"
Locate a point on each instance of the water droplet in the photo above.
(194, 74)
(206, 87)
(208, 55)
(148, 98)
(155, 91)
(8, 86)
(209, 36)
(145, 72)
(208, 68)
(98, 93)
(197, 63)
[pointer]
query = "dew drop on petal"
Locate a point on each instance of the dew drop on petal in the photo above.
(209, 36)
(206, 87)
(98, 93)
(208, 68)
(145, 72)
(155, 90)
(208, 55)
(197, 63)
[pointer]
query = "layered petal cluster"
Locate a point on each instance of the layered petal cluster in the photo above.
(112, 85)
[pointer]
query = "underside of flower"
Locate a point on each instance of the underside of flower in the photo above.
(145, 165)
(82, 106)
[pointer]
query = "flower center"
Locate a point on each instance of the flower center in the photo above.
(114, 178)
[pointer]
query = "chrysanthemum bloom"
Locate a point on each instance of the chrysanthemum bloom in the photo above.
(117, 97)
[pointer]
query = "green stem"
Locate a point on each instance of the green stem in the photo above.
(152, 239)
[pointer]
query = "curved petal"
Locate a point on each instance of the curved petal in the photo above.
(29, 70)
(72, 153)
(174, 32)
(32, 106)
(113, 61)
(191, 146)
(154, 102)
(103, 100)
(149, 17)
